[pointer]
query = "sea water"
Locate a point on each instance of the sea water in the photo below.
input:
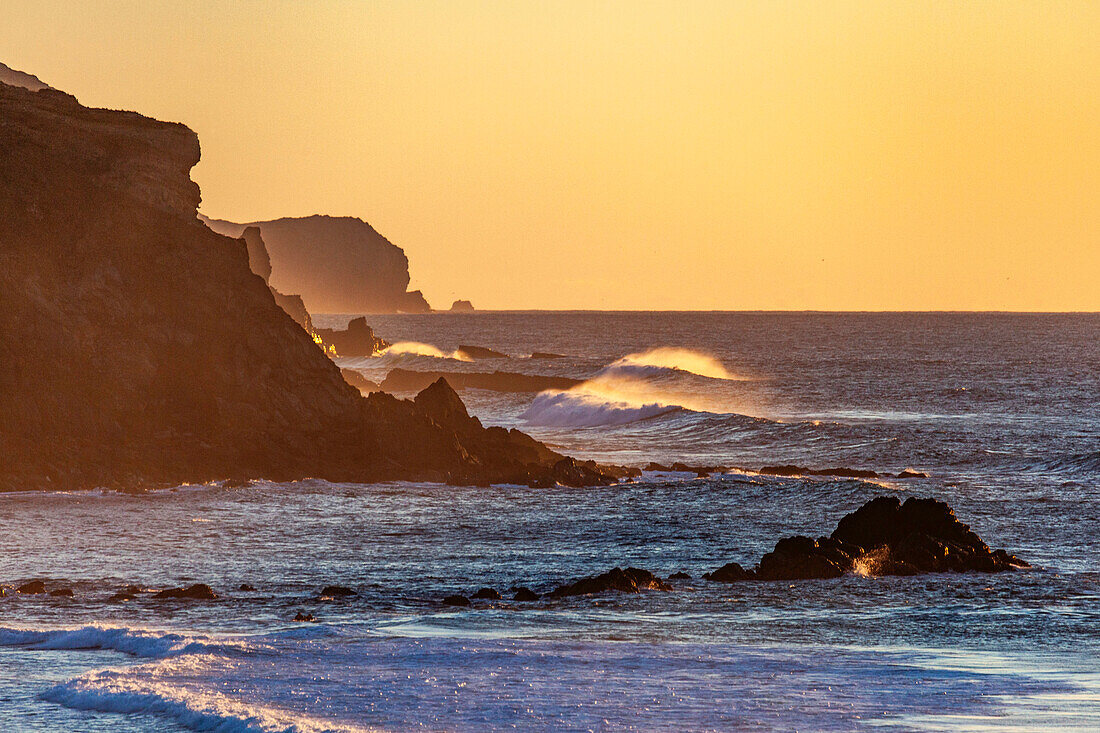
(999, 410)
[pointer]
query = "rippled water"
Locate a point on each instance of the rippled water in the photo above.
(1000, 411)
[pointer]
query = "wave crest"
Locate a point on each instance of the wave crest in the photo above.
(676, 359)
(416, 348)
(137, 643)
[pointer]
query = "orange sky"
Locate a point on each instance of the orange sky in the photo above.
(682, 155)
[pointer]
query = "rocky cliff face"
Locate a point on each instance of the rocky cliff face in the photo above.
(338, 264)
(137, 348)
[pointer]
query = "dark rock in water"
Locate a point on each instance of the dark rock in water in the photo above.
(361, 383)
(883, 537)
(337, 591)
(797, 558)
(525, 594)
(357, 339)
(462, 306)
(407, 380)
(480, 352)
(32, 588)
(912, 474)
(486, 594)
(631, 580)
(790, 470)
(175, 363)
(121, 597)
(456, 600)
(196, 592)
(304, 617)
(546, 355)
(731, 572)
(246, 588)
(680, 576)
(62, 593)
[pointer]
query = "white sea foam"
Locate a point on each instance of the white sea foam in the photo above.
(676, 359)
(416, 348)
(135, 642)
(636, 387)
(125, 692)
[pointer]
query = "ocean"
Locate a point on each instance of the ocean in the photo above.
(1001, 411)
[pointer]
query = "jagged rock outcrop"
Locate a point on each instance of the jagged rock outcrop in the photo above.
(338, 264)
(882, 537)
(137, 348)
(475, 353)
(408, 380)
(357, 339)
(260, 263)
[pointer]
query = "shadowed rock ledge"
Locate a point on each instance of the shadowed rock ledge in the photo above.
(137, 349)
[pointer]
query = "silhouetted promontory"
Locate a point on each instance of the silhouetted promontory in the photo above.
(137, 348)
(339, 264)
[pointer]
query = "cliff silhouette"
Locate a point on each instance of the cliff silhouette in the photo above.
(338, 264)
(138, 349)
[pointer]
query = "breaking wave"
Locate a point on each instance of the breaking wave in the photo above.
(415, 348)
(672, 358)
(136, 643)
(636, 387)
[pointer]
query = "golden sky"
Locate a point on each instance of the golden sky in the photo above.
(872, 155)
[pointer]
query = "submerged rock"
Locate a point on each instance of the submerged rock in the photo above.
(631, 580)
(62, 593)
(32, 588)
(681, 575)
(196, 592)
(337, 591)
(456, 600)
(246, 588)
(305, 617)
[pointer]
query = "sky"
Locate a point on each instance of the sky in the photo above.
(714, 155)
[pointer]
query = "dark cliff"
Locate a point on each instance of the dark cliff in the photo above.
(338, 264)
(137, 348)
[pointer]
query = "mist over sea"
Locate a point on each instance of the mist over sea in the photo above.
(1001, 411)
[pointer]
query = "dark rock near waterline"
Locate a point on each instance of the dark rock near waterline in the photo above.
(246, 588)
(357, 339)
(122, 597)
(480, 352)
(337, 591)
(681, 575)
(305, 617)
(882, 537)
(32, 588)
(631, 580)
(525, 594)
(196, 592)
(462, 306)
(486, 594)
(791, 470)
(912, 474)
(731, 572)
(456, 600)
(546, 355)
(62, 593)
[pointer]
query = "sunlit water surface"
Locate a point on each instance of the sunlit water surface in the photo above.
(1000, 411)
